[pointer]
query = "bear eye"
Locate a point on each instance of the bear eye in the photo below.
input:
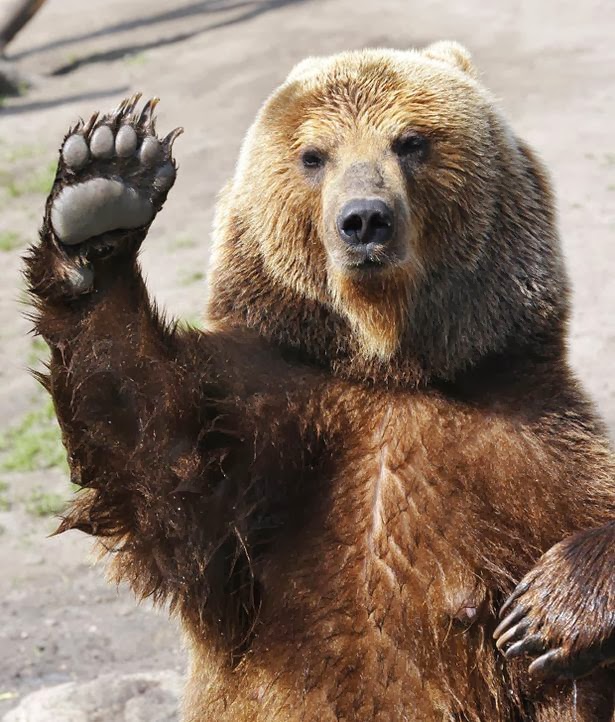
(411, 145)
(312, 159)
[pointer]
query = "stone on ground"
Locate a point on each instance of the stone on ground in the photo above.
(147, 697)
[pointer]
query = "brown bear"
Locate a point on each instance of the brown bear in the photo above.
(338, 482)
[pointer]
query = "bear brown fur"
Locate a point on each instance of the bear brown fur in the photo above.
(337, 483)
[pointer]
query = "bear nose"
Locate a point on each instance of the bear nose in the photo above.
(365, 220)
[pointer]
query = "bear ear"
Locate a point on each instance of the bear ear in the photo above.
(452, 53)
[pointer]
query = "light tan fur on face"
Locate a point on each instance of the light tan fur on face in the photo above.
(377, 311)
(352, 108)
(376, 306)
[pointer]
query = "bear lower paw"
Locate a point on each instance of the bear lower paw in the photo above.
(114, 174)
(560, 613)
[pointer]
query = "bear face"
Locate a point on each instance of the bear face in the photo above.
(385, 189)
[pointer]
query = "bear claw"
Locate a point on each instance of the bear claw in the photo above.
(556, 617)
(114, 174)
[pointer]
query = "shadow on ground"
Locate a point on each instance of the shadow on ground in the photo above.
(53, 102)
(249, 10)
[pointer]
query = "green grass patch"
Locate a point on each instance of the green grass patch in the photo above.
(190, 322)
(9, 241)
(22, 152)
(38, 183)
(39, 352)
(33, 443)
(190, 277)
(45, 503)
(183, 242)
(136, 59)
(5, 502)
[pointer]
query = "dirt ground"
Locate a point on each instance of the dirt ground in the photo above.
(212, 63)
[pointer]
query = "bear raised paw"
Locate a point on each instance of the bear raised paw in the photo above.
(113, 175)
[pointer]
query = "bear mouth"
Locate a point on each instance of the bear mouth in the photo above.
(371, 258)
(363, 262)
(370, 264)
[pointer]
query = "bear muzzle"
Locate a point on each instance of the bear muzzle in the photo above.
(365, 219)
(365, 222)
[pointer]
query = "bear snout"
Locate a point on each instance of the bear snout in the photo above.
(365, 223)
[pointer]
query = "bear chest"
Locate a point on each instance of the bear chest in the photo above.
(406, 510)
(381, 580)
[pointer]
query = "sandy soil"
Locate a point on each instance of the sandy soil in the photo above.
(212, 63)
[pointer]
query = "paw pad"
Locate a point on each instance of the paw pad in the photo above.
(75, 152)
(126, 141)
(114, 174)
(102, 142)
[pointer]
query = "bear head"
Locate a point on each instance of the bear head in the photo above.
(384, 220)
